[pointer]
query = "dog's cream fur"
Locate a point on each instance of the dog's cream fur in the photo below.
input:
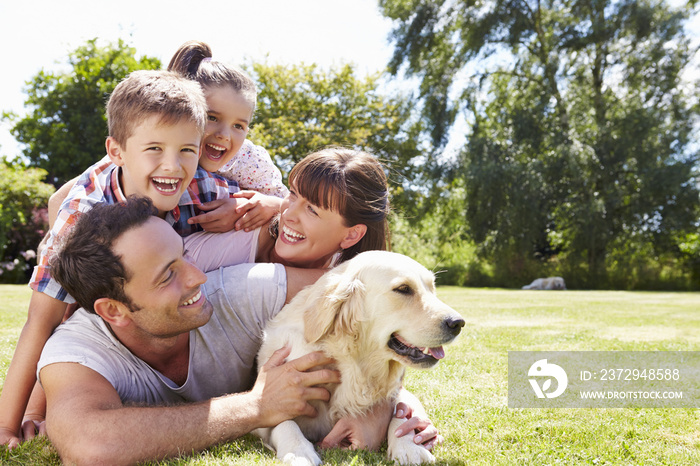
(351, 314)
(550, 283)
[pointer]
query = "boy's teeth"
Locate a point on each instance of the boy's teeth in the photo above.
(166, 180)
(168, 185)
(193, 299)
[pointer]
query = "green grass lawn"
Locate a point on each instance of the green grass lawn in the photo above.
(466, 394)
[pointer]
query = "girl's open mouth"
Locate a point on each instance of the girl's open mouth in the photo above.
(214, 151)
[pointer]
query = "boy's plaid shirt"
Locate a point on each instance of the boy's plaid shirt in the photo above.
(100, 184)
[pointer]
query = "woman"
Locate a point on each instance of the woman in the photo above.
(337, 207)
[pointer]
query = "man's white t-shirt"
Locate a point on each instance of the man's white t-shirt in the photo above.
(222, 352)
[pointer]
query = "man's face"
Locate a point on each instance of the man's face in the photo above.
(159, 161)
(164, 285)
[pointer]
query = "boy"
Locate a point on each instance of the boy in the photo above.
(156, 122)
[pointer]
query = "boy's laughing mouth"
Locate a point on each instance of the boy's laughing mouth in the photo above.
(166, 186)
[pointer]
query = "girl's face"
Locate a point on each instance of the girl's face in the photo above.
(309, 235)
(227, 126)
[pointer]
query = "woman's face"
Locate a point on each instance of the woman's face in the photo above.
(309, 235)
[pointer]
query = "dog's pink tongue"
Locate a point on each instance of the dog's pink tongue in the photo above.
(437, 353)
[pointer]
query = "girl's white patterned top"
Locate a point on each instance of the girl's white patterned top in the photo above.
(252, 168)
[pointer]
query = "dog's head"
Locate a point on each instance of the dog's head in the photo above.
(385, 301)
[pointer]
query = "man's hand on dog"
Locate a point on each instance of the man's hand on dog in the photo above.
(285, 388)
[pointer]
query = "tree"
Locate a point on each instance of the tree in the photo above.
(65, 130)
(581, 126)
(23, 222)
(303, 108)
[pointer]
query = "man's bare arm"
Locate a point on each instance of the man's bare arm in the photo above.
(87, 422)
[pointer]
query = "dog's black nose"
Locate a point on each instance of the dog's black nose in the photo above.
(453, 326)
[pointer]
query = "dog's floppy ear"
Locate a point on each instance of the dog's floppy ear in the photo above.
(337, 310)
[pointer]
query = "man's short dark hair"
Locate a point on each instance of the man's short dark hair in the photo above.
(84, 262)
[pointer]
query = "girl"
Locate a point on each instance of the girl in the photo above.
(231, 97)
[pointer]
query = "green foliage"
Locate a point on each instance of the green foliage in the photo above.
(438, 240)
(65, 129)
(23, 222)
(303, 108)
(582, 148)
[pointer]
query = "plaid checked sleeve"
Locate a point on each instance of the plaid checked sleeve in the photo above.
(94, 186)
(205, 187)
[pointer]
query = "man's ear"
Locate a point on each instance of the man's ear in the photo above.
(112, 311)
(355, 234)
(114, 151)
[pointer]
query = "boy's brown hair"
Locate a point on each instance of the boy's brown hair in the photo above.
(145, 93)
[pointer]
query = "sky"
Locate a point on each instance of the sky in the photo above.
(39, 34)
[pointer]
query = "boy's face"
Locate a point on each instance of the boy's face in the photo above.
(228, 118)
(158, 161)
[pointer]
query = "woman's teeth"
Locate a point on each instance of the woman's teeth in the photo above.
(292, 235)
(193, 299)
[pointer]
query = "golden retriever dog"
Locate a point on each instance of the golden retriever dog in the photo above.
(550, 283)
(375, 314)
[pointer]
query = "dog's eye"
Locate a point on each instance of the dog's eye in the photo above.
(404, 289)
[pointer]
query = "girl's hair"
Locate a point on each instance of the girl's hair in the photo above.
(193, 60)
(351, 183)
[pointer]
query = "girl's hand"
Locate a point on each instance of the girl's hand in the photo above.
(220, 215)
(256, 210)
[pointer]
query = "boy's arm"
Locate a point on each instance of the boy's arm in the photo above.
(46, 310)
(44, 315)
(57, 199)
(87, 421)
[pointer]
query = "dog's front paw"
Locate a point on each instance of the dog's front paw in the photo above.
(303, 455)
(404, 451)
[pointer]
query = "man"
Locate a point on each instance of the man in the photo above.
(151, 333)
